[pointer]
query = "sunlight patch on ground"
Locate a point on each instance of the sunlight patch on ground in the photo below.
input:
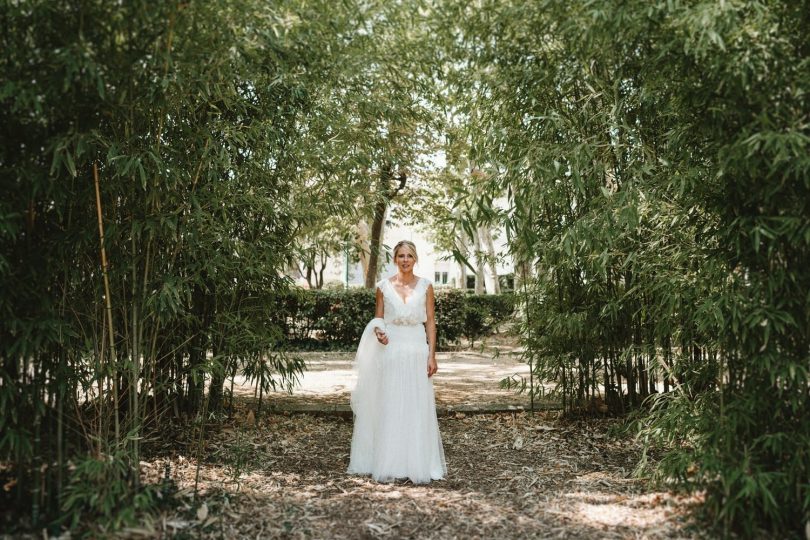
(464, 378)
(286, 477)
(622, 512)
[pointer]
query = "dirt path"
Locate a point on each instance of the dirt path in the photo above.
(513, 475)
(509, 476)
(465, 378)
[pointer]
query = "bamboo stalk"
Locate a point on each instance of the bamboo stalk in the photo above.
(60, 423)
(203, 416)
(528, 326)
(134, 427)
(108, 304)
(36, 492)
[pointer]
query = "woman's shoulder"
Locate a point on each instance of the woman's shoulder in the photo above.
(425, 281)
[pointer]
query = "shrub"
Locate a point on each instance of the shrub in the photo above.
(335, 319)
(347, 315)
(100, 491)
(450, 316)
(483, 314)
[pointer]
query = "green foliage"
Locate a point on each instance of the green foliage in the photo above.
(218, 144)
(450, 312)
(483, 314)
(337, 316)
(318, 319)
(99, 493)
(655, 155)
(499, 308)
(374, 122)
(191, 115)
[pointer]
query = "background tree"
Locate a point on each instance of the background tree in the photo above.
(329, 238)
(374, 120)
(179, 140)
(656, 161)
(653, 156)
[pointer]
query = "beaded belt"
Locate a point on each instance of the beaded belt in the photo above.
(406, 322)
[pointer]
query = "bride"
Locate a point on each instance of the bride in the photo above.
(396, 433)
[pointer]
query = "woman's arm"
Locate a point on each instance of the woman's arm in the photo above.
(430, 328)
(379, 312)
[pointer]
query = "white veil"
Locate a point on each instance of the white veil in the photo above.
(363, 399)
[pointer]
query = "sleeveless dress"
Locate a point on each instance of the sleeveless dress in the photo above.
(396, 432)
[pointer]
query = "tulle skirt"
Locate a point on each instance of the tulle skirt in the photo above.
(396, 432)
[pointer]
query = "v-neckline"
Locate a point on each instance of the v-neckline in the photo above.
(393, 289)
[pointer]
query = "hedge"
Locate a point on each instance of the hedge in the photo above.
(335, 319)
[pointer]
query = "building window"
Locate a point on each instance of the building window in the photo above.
(471, 282)
(507, 282)
(440, 278)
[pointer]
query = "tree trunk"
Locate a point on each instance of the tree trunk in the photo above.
(217, 386)
(486, 236)
(525, 274)
(479, 263)
(386, 193)
(377, 229)
(198, 349)
(464, 249)
(324, 260)
(362, 241)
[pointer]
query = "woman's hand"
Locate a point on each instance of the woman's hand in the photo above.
(382, 337)
(433, 367)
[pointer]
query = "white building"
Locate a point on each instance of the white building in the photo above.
(436, 266)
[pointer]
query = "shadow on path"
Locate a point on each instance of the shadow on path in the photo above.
(509, 476)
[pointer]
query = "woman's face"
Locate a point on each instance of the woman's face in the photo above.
(404, 260)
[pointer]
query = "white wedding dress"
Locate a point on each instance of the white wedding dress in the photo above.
(396, 433)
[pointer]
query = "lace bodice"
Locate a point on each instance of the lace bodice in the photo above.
(399, 312)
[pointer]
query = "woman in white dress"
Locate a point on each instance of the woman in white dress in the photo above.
(396, 433)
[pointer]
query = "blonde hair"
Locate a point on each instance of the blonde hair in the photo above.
(407, 245)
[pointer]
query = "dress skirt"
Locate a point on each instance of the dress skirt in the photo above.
(405, 441)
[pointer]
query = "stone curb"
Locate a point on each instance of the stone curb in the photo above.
(344, 410)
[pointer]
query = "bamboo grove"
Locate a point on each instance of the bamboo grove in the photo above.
(145, 220)
(655, 155)
(162, 167)
(162, 163)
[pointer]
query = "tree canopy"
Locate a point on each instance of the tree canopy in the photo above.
(163, 166)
